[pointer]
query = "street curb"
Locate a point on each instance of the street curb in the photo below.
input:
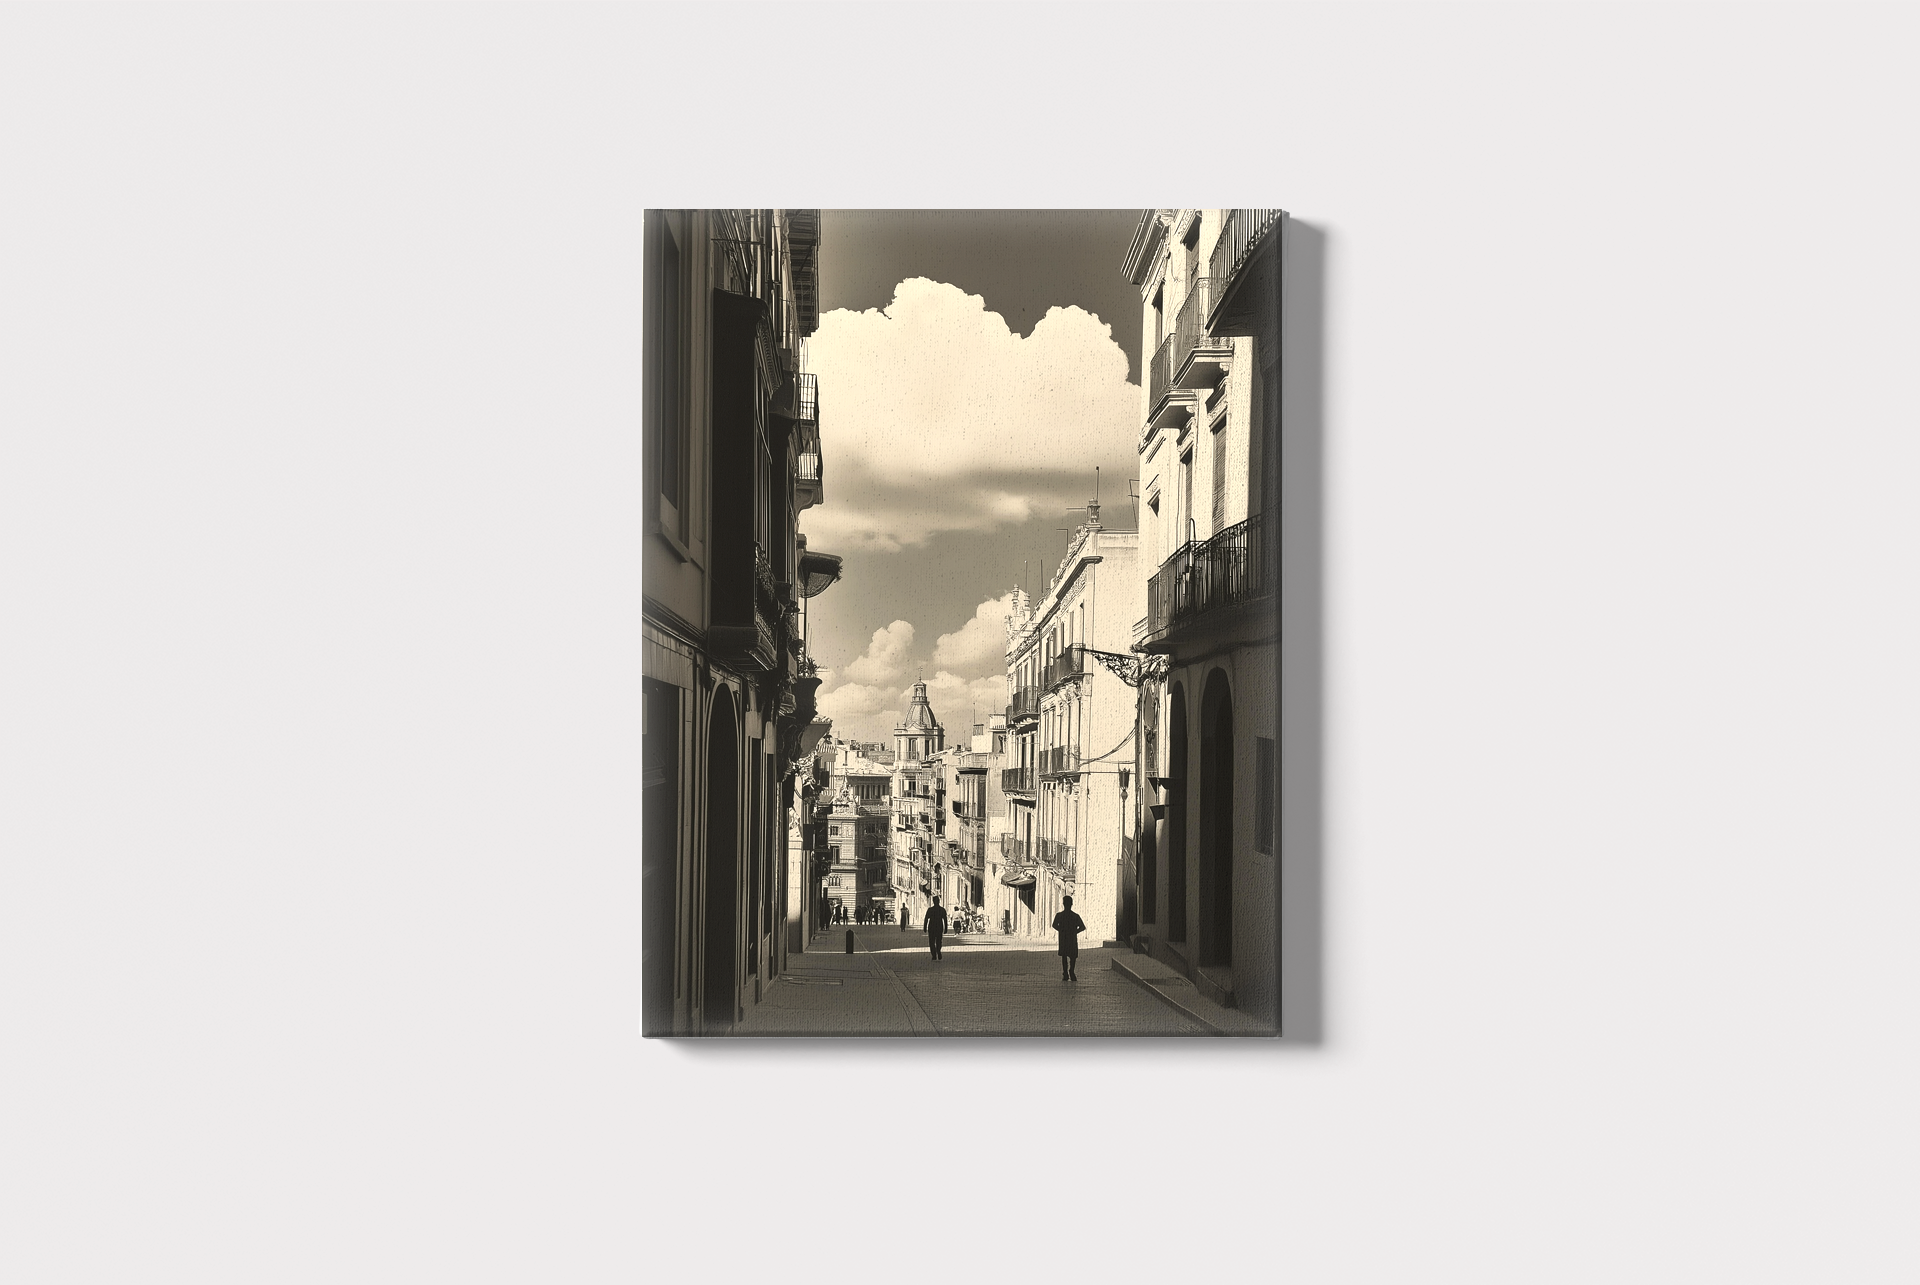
(1179, 993)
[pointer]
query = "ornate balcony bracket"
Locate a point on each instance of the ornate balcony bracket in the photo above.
(1131, 669)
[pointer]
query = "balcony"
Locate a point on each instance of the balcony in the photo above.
(1167, 403)
(1060, 760)
(1241, 236)
(803, 244)
(1016, 780)
(1068, 664)
(1206, 583)
(750, 626)
(1025, 707)
(1199, 359)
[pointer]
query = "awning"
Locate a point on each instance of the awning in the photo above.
(1017, 879)
(817, 571)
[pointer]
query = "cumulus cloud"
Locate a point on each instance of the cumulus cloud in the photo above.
(885, 658)
(981, 643)
(966, 676)
(936, 417)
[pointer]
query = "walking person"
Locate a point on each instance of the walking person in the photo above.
(936, 925)
(1069, 926)
(903, 916)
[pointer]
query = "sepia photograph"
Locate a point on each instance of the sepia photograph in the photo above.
(961, 619)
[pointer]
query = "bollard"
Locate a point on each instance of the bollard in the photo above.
(849, 941)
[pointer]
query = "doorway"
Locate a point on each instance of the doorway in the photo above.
(720, 993)
(1216, 821)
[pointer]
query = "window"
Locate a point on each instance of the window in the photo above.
(833, 829)
(1220, 475)
(1185, 515)
(1190, 253)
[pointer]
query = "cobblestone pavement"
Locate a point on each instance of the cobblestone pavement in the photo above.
(983, 984)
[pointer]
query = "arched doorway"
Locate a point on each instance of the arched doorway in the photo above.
(1177, 815)
(1216, 821)
(721, 940)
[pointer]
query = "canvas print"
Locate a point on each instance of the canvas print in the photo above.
(961, 626)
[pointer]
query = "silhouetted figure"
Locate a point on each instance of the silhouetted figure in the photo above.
(936, 925)
(1069, 926)
(904, 917)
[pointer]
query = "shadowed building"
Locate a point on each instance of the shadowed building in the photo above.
(732, 455)
(1204, 870)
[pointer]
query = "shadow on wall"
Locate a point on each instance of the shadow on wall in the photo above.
(1302, 638)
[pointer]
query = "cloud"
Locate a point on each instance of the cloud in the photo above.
(869, 713)
(862, 712)
(867, 697)
(955, 698)
(981, 643)
(934, 416)
(885, 657)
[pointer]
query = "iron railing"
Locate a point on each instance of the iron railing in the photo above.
(806, 467)
(1160, 376)
(803, 245)
(1190, 326)
(1068, 663)
(1026, 704)
(1016, 780)
(1059, 760)
(1239, 234)
(806, 397)
(1200, 577)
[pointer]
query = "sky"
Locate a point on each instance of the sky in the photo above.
(974, 368)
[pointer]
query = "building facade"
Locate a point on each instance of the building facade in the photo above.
(1202, 876)
(919, 786)
(853, 872)
(731, 426)
(1070, 729)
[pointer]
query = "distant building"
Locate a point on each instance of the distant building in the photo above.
(919, 806)
(731, 427)
(1070, 726)
(854, 868)
(1204, 877)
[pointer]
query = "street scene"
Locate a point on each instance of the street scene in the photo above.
(961, 636)
(891, 985)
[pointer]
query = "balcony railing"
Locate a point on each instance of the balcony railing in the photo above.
(1056, 856)
(1059, 760)
(803, 239)
(1190, 338)
(1160, 376)
(1239, 235)
(1013, 850)
(1016, 780)
(1199, 578)
(1068, 663)
(807, 397)
(806, 467)
(1026, 704)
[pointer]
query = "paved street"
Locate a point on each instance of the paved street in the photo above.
(984, 984)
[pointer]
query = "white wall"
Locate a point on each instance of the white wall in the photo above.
(317, 934)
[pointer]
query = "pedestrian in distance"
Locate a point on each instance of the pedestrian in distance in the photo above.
(903, 916)
(936, 925)
(1069, 926)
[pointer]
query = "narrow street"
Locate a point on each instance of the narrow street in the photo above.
(983, 984)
